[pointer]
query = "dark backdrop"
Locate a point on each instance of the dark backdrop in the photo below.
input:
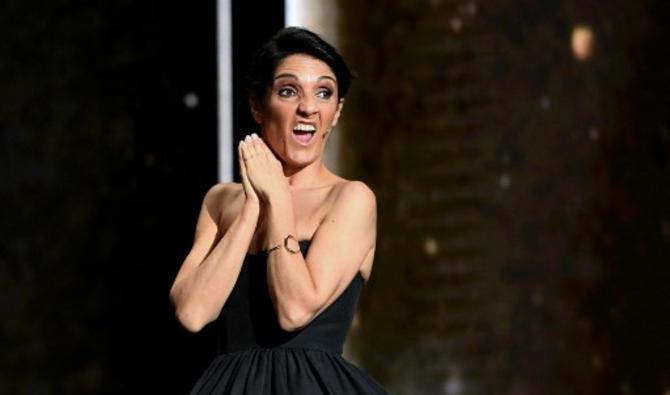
(108, 141)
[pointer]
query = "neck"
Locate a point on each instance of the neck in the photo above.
(308, 176)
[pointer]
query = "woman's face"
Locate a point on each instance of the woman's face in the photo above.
(300, 110)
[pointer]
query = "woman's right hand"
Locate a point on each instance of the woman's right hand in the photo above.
(249, 192)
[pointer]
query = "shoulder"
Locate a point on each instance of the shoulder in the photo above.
(223, 191)
(355, 195)
(354, 190)
(223, 198)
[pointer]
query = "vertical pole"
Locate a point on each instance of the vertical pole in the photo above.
(321, 18)
(225, 89)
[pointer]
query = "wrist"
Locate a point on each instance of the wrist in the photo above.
(290, 244)
(279, 199)
(279, 213)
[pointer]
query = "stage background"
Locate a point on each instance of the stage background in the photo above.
(524, 194)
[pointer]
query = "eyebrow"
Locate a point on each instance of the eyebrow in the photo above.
(290, 75)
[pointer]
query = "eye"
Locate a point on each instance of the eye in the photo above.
(286, 91)
(324, 94)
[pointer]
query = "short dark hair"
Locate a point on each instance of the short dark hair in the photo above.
(290, 41)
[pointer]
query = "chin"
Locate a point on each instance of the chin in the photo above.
(300, 159)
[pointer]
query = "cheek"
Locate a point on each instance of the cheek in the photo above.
(332, 116)
(277, 117)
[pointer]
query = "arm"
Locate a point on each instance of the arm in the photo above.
(210, 270)
(303, 287)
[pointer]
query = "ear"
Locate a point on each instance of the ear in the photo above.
(340, 105)
(256, 110)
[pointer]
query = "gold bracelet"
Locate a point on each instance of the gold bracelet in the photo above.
(286, 247)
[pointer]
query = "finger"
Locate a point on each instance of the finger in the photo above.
(250, 159)
(257, 143)
(245, 149)
(261, 147)
(243, 168)
(271, 157)
(240, 153)
(264, 148)
(243, 173)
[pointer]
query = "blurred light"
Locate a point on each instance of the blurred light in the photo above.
(583, 42)
(505, 181)
(356, 321)
(545, 103)
(471, 8)
(537, 297)
(594, 134)
(456, 24)
(430, 246)
(454, 384)
(191, 100)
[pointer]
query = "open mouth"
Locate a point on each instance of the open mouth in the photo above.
(304, 133)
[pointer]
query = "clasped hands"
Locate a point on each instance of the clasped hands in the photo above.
(262, 173)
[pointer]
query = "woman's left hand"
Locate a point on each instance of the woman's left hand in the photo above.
(264, 171)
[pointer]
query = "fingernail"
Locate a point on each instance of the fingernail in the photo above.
(254, 135)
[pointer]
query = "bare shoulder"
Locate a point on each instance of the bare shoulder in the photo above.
(222, 192)
(223, 200)
(353, 202)
(354, 195)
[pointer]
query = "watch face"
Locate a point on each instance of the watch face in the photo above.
(292, 244)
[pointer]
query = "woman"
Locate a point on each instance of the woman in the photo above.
(279, 259)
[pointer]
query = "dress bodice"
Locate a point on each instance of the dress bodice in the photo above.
(257, 357)
(248, 319)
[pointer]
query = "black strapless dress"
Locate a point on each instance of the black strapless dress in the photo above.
(258, 357)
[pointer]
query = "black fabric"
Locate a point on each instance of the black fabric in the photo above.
(258, 357)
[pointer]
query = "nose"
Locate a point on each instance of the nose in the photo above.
(307, 106)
